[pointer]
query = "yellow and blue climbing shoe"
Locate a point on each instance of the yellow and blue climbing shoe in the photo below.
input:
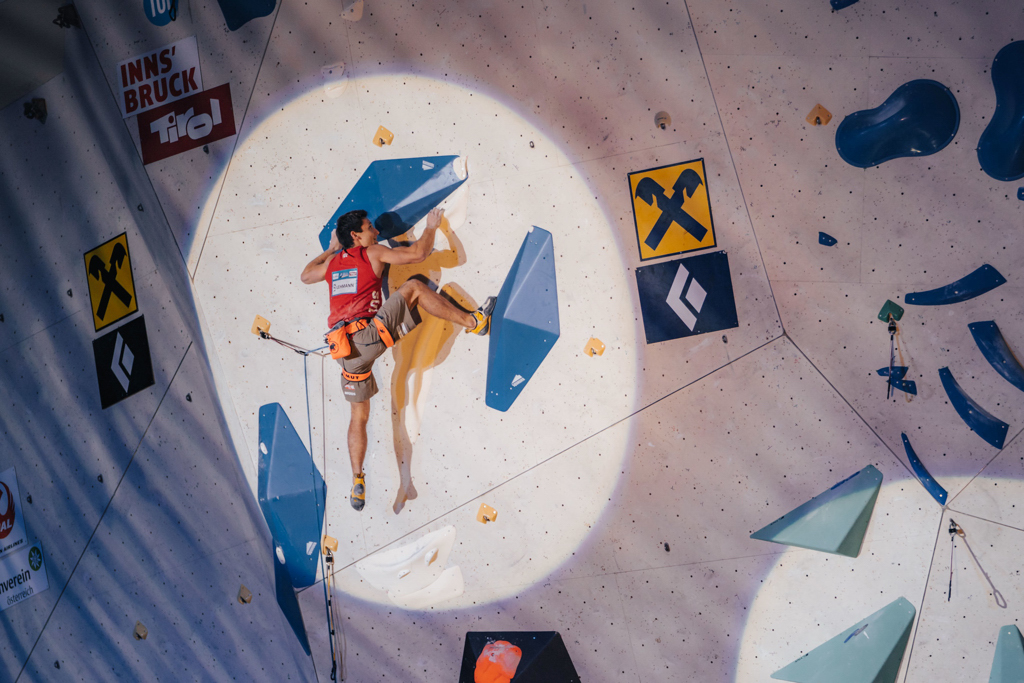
(358, 495)
(482, 316)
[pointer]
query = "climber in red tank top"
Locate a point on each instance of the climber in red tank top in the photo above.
(352, 268)
(355, 287)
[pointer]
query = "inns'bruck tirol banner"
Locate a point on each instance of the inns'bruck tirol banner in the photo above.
(164, 75)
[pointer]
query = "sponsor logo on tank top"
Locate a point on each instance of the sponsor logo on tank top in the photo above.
(345, 281)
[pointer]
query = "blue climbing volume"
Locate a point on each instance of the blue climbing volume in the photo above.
(524, 324)
(834, 521)
(291, 493)
(870, 651)
(397, 193)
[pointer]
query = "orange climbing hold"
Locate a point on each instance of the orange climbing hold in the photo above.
(260, 324)
(383, 136)
(594, 347)
(819, 116)
(486, 514)
(497, 663)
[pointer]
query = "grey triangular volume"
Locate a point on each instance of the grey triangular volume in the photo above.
(832, 522)
(1008, 666)
(870, 651)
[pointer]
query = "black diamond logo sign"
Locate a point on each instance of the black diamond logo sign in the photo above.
(123, 365)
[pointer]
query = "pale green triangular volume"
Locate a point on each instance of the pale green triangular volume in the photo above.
(1008, 665)
(870, 651)
(832, 522)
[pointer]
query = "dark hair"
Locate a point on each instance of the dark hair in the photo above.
(347, 224)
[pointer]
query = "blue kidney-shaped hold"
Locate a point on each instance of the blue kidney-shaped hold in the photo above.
(919, 118)
(1001, 147)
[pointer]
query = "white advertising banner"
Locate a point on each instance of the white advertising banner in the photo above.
(164, 75)
(12, 524)
(22, 575)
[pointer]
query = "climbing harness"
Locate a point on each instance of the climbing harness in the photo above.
(338, 339)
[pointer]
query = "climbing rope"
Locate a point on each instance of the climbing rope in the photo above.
(331, 619)
(262, 330)
(263, 334)
(316, 495)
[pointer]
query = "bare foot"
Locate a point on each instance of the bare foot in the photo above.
(404, 495)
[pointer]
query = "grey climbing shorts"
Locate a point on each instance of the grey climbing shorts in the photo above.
(367, 347)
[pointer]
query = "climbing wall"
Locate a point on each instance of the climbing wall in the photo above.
(657, 486)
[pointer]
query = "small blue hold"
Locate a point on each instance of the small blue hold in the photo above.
(827, 239)
(1020, 193)
(840, 4)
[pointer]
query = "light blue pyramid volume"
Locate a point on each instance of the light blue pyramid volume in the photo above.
(1008, 666)
(524, 324)
(832, 522)
(397, 193)
(291, 493)
(870, 651)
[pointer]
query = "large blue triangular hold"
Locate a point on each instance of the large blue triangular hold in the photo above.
(291, 493)
(524, 324)
(1008, 665)
(832, 522)
(397, 193)
(870, 651)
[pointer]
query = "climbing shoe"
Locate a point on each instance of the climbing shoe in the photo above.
(482, 316)
(358, 495)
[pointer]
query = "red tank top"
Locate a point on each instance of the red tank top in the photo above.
(355, 288)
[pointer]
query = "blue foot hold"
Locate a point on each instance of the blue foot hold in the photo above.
(1001, 147)
(291, 494)
(898, 373)
(524, 325)
(237, 13)
(840, 4)
(920, 118)
(826, 239)
(397, 193)
(983, 280)
(988, 427)
(997, 352)
(926, 479)
(1020, 193)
